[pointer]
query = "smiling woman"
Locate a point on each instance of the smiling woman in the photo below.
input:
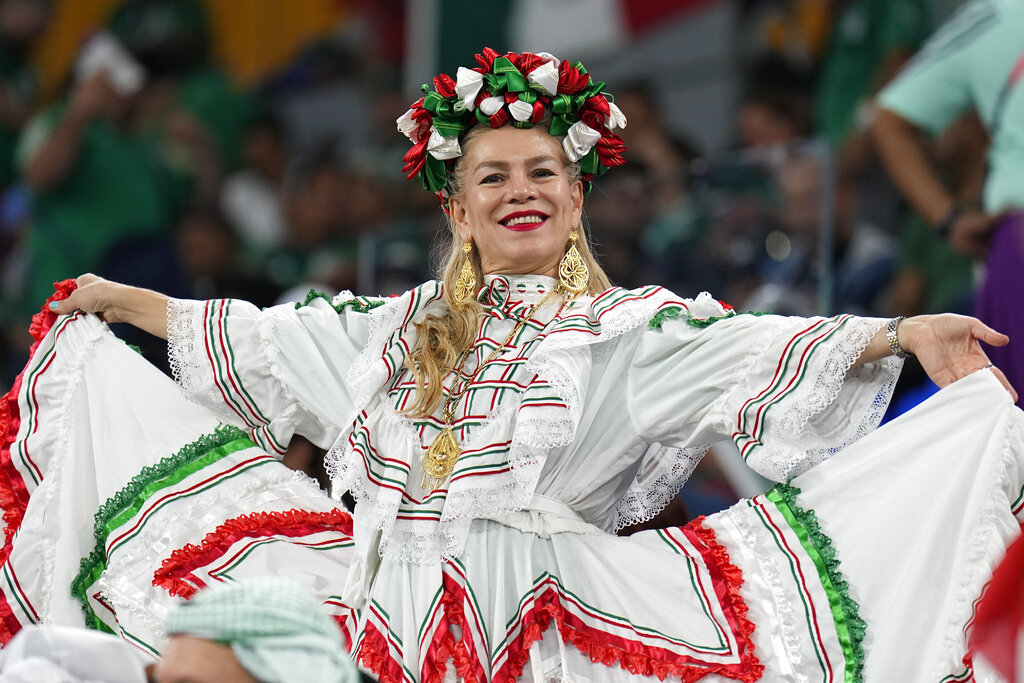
(519, 202)
(497, 427)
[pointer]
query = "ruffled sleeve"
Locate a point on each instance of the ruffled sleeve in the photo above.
(783, 389)
(275, 372)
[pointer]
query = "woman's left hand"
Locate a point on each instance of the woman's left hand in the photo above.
(948, 347)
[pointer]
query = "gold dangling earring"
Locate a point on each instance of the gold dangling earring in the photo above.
(573, 275)
(465, 285)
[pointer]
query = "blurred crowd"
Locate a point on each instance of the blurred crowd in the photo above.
(154, 167)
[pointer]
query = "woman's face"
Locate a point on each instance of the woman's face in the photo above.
(517, 205)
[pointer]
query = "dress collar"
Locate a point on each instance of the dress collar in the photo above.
(506, 290)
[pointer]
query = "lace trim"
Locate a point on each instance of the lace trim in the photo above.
(369, 372)
(148, 540)
(52, 483)
(93, 564)
(116, 591)
(819, 546)
(547, 428)
(812, 397)
(979, 563)
(13, 494)
(637, 659)
(768, 560)
(291, 523)
(642, 502)
(344, 300)
(186, 355)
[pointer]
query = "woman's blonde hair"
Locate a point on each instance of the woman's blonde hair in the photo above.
(443, 338)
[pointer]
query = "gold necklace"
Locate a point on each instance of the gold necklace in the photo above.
(439, 460)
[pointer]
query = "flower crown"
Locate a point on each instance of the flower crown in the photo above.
(522, 89)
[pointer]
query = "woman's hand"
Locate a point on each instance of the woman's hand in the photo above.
(117, 303)
(948, 346)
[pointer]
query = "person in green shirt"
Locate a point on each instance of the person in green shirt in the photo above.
(93, 185)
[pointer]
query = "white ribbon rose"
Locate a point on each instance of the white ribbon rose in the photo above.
(406, 125)
(580, 139)
(467, 86)
(616, 119)
(491, 105)
(521, 111)
(545, 76)
(441, 147)
(705, 307)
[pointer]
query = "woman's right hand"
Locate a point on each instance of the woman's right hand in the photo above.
(114, 302)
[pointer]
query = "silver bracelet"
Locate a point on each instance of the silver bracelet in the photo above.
(892, 337)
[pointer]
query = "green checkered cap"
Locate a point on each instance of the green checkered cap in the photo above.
(275, 627)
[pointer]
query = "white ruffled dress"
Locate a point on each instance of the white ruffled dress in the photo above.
(863, 566)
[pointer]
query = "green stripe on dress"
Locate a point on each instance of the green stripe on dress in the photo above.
(850, 627)
(192, 457)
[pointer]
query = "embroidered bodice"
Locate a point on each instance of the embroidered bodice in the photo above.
(605, 407)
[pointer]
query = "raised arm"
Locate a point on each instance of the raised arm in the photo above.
(117, 303)
(947, 346)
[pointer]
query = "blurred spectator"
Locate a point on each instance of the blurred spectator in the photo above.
(94, 185)
(933, 277)
(251, 198)
(22, 24)
(643, 219)
(871, 40)
(209, 253)
(61, 654)
(171, 38)
(793, 30)
(976, 60)
(321, 248)
(775, 108)
(269, 630)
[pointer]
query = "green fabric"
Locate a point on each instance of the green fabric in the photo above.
(20, 82)
(948, 275)
(114, 192)
(275, 627)
(125, 504)
(850, 627)
(864, 34)
(966, 65)
(208, 95)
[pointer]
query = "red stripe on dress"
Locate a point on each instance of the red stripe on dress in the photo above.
(634, 656)
(803, 582)
(795, 375)
(220, 326)
(292, 524)
(213, 366)
(143, 515)
(374, 652)
(13, 492)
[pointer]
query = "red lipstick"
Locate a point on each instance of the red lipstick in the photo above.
(533, 220)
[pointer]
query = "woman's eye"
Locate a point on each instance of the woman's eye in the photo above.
(543, 173)
(493, 178)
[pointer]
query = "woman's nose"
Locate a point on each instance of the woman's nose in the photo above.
(522, 188)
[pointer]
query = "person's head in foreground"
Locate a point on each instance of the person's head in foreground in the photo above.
(265, 630)
(61, 654)
(511, 147)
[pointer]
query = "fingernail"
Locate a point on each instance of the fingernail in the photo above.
(54, 304)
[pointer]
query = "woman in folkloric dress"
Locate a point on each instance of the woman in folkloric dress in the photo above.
(496, 424)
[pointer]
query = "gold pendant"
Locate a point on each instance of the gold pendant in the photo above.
(439, 460)
(572, 272)
(465, 285)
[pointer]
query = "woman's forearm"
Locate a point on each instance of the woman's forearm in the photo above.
(117, 303)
